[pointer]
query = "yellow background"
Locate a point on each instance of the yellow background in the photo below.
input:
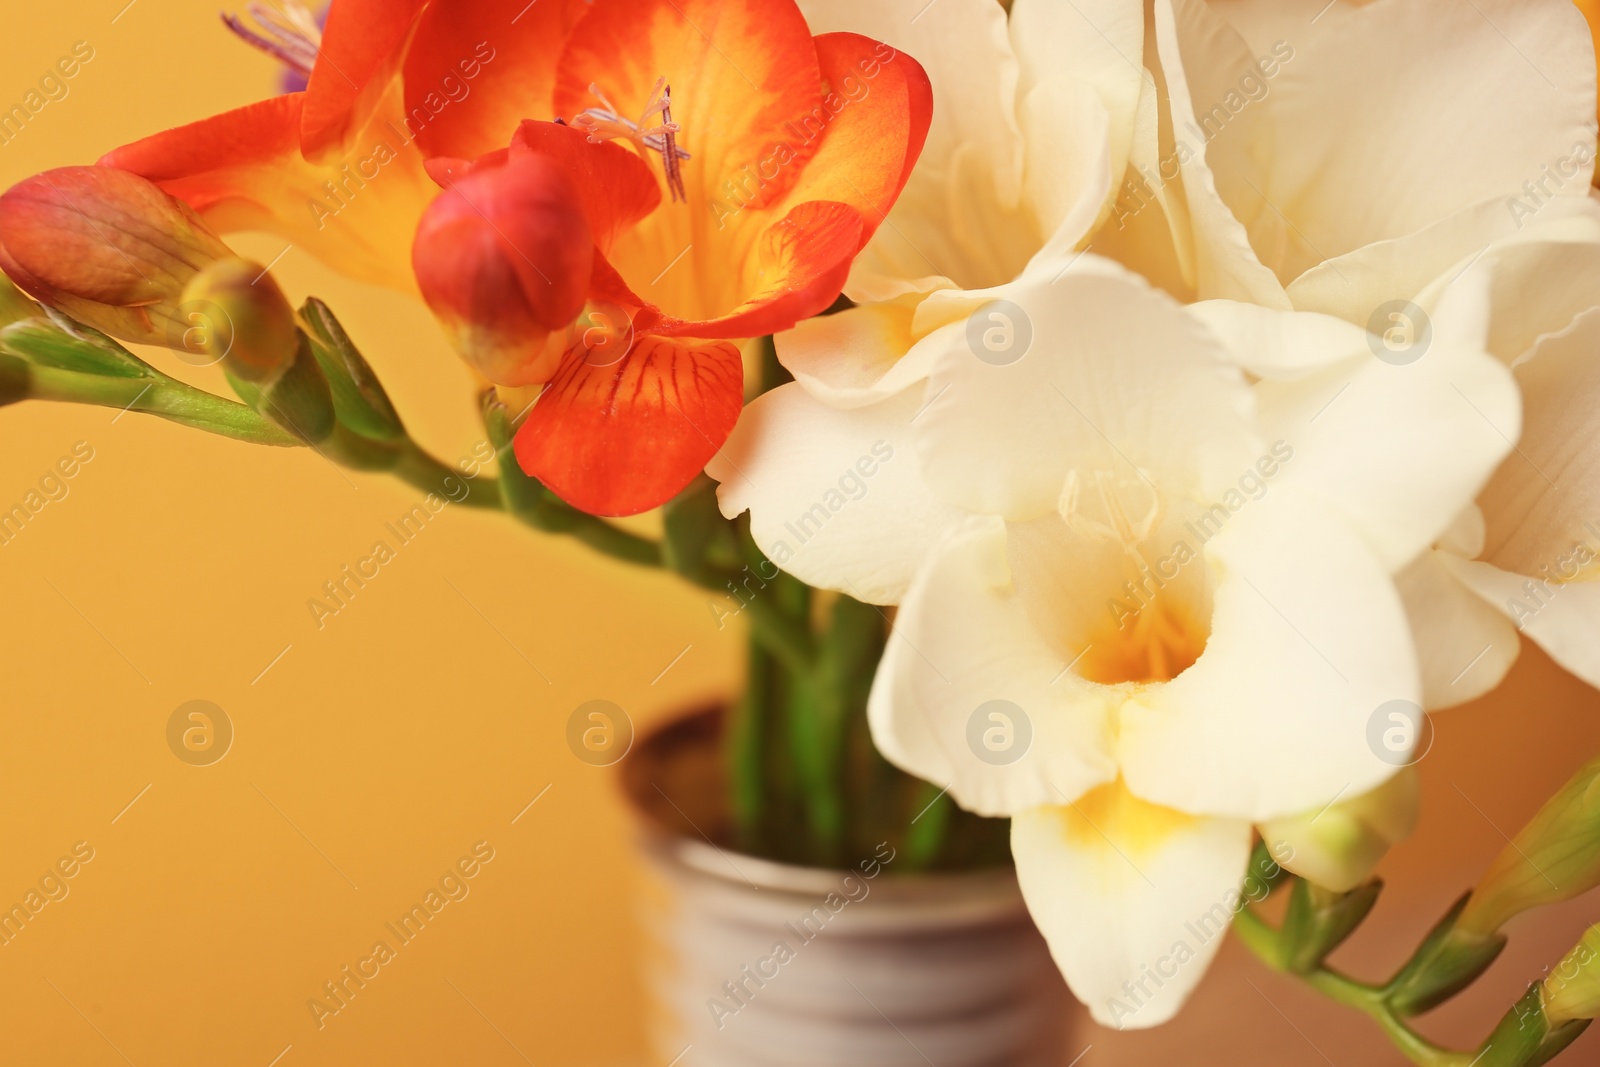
(379, 749)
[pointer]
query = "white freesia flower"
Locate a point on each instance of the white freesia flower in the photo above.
(1173, 586)
(1161, 568)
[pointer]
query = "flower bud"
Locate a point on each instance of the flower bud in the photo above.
(503, 256)
(107, 247)
(1338, 847)
(1572, 988)
(236, 313)
(1556, 857)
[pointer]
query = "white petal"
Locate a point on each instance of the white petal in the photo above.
(835, 497)
(964, 47)
(1069, 165)
(1116, 378)
(860, 355)
(1280, 345)
(1098, 42)
(1545, 498)
(1403, 112)
(1188, 35)
(1133, 899)
(1564, 620)
(1308, 639)
(1464, 646)
(1402, 448)
(1531, 283)
(962, 641)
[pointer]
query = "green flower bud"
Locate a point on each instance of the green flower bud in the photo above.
(1556, 857)
(1338, 846)
(1572, 988)
(236, 313)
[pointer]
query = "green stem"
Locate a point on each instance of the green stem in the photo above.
(416, 467)
(165, 398)
(1262, 940)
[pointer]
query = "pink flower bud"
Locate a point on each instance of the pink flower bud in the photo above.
(107, 247)
(503, 258)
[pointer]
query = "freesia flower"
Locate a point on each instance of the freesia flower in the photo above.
(1160, 605)
(719, 169)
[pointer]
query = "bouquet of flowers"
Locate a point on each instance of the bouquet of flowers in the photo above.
(1129, 420)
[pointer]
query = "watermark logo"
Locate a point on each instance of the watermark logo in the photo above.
(999, 333)
(604, 332)
(1399, 733)
(201, 333)
(1399, 332)
(199, 733)
(999, 732)
(599, 733)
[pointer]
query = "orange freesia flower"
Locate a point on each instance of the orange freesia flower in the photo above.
(705, 169)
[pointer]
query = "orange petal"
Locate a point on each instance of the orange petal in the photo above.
(243, 170)
(796, 271)
(361, 42)
(878, 104)
(494, 61)
(624, 438)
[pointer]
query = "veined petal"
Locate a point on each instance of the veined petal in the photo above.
(1308, 639)
(624, 438)
(836, 498)
(360, 52)
(1133, 898)
(1464, 646)
(243, 170)
(478, 68)
(1545, 498)
(976, 700)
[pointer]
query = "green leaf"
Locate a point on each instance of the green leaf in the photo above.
(1319, 921)
(73, 347)
(1448, 960)
(358, 396)
(1525, 1038)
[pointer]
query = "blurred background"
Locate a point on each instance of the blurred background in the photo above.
(372, 752)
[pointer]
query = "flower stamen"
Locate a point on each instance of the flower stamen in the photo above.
(606, 124)
(291, 35)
